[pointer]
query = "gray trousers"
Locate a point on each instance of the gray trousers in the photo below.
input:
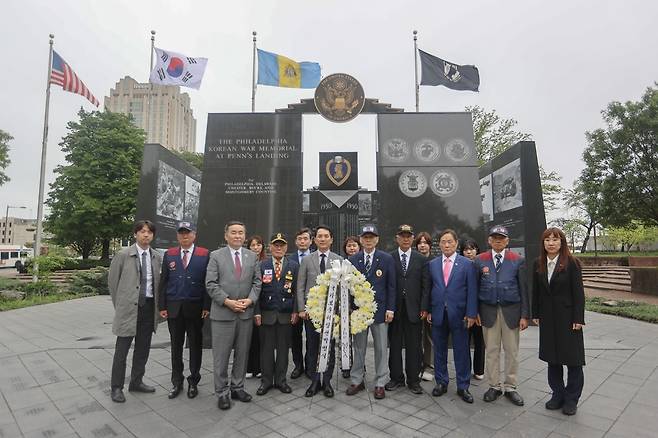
(380, 340)
(230, 336)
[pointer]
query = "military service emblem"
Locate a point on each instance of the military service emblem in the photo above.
(396, 150)
(339, 97)
(444, 183)
(427, 150)
(338, 170)
(457, 150)
(412, 183)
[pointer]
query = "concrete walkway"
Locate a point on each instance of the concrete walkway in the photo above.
(54, 382)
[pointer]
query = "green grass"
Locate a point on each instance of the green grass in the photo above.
(37, 300)
(627, 309)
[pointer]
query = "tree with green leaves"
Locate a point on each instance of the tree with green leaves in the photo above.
(93, 198)
(5, 138)
(625, 155)
(494, 135)
(193, 158)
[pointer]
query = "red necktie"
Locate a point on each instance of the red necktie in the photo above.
(277, 270)
(238, 266)
(186, 258)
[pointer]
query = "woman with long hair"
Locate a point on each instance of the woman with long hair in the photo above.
(470, 250)
(256, 245)
(423, 244)
(558, 307)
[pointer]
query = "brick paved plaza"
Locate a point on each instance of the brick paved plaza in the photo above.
(54, 380)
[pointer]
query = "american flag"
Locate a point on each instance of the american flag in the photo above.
(63, 75)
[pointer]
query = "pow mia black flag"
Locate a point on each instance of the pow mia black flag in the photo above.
(436, 71)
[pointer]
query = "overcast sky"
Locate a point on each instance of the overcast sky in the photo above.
(553, 66)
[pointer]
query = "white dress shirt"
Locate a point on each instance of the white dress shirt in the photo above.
(189, 250)
(149, 271)
(551, 264)
(239, 250)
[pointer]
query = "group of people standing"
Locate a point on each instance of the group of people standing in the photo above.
(421, 302)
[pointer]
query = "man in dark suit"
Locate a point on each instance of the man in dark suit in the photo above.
(504, 311)
(453, 310)
(412, 286)
(275, 311)
(133, 283)
(184, 303)
(300, 361)
(379, 269)
(233, 283)
(312, 266)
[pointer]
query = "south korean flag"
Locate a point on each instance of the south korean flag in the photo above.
(174, 68)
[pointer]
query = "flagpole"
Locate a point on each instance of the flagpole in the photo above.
(42, 175)
(147, 124)
(253, 76)
(416, 86)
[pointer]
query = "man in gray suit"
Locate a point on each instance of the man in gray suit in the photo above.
(133, 283)
(233, 284)
(312, 266)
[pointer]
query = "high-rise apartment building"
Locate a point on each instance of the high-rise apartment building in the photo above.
(170, 119)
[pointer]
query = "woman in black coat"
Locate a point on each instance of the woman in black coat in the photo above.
(558, 307)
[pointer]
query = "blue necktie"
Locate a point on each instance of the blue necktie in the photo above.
(498, 262)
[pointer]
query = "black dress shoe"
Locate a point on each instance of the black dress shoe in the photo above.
(415, 388)
(297, 373)
(224, 403)
(263, 389)
(392, 385)
(312, 390)
(492, 394)
(569, 408)
(117, 395)
(465, 395)
(514, 397)
(328, 390)
(192, 391)
(174, 391)
(285, 388)
(140, 387)
(554, 403)
(346, 374)
(439, 390)
(241, 395)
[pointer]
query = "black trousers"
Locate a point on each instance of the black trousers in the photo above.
(145, 323)
(186, 323)
(253, 360)
(274, 347)
(296, 344)
(313, 350)
(404, 333)
(575, 382)
(475, 333)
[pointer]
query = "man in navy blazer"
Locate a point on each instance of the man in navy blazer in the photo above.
(183, 301)
(300, 360)
(453, 310)
(379, 269)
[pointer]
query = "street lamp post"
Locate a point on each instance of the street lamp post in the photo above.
(6, 237)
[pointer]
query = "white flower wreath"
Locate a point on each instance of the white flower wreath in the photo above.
(359, 288)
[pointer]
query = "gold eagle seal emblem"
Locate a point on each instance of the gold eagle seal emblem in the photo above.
(339, 97)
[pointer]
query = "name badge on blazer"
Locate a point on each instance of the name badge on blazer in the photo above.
(267, 276)
(379, 273)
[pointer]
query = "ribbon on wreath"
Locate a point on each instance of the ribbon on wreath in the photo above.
(338, 282)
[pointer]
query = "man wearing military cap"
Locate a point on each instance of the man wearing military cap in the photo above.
(183, 301)
(379, 269)
(412, 288)
(275, 309)
(504, 312)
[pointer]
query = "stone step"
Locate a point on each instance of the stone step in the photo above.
(607, 286)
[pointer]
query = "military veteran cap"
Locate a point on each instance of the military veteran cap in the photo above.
(278, 237)
(185, 226)
(404, 228)
(369, 229)
(499, 229)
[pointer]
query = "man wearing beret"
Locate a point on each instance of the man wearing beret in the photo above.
(183, 301)
(504, 311)
(275, 312)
